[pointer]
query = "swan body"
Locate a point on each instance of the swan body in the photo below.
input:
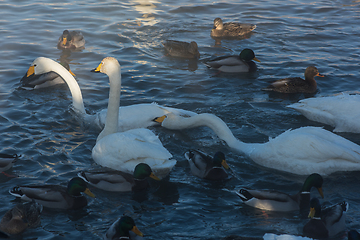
(55, 196)
(123, 228)
(232, 63)
(339, 111)
(130, 117)
(230, 29)
(73, 40)
(181, 49)
(124, 150)
(279, 201)
(325, 223)
(297, 85)
(300, 151)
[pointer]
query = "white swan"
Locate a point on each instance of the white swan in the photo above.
(130, 117)
(301, 151)
(124, 150)
(340, 111)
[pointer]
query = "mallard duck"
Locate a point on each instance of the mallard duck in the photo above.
(296, 85)
(116, 181)
(20, 217)
(233, 63)
(326, 223)
(73, 40)
(7, 161)
(339, 111)
(121, 228)
(278, 201)
(55, 196)
(130, 117)
(301, 151)
(353, 235)
(43, 79)
(181, 49)
(124, 150)
(205, 166)
(230, 29)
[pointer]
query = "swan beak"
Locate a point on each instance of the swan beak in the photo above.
(224, 164)
(31, 71)
(152, 175)
(64, 41)
(255, 59)
(319, 75)
(72, 73)
(97, 69)
(159, 119)
(311, 213)
(137, 231)
(89, 193)
(321, 192)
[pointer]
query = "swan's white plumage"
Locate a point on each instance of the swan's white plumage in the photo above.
(130, 117)
(301, 151)
(124, 150)
(340, 111)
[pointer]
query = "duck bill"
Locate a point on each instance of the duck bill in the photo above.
(159, 119)
(97, 69)
(89, 193)
(30, 71)
(72, 73)
(224, 164)
(255, 59)
(311, 213)
(321, 192)
(137, 231)
(153, 176)
(319, 75)
(64, 41)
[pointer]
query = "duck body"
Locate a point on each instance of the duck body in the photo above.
(181, 49)
(279, 201)
(73, 40)
(338, 111)
(326, 223)
(123, 228)
(207, 167)
(310, 149)
(230, 29)
(116, 181)
(55, 196)
(233, 63)
(21, 217)
(297, 84)
(7, 161)
(123, 151)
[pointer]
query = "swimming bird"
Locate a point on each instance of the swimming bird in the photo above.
(7, 161)
(55, 196)
(21, 217)
(73, 40)
(205, 166)
(234, 63)
(297, 84)
(301, 151)
(130, 117)
(42, 79)
(124, 150)
(181, 49)
(116, 181)
(340, 111)
(282, 202)
(325, 223)
(230, 29)
(121, 228)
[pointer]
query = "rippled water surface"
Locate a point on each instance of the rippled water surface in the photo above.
(39, 125)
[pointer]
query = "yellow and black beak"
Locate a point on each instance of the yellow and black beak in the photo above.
(30, 71)
(98, 68)
(89, 193)
(64, 41)
(159, 119)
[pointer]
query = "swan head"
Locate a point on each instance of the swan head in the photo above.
(109, 66)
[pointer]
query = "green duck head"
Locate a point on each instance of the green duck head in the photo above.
(247, 55)
(125, 225)
(78, 185)
(314, 180)
(315, 208)
(219, 160)
(142, 171)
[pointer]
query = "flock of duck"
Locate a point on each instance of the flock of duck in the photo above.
(130, 153)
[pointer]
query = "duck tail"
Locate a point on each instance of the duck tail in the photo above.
(244, 195)
(16, 191)
(345, 206)
(82, 175)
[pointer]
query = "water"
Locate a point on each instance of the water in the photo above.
(54, 146)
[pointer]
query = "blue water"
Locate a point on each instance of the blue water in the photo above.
(290, 36)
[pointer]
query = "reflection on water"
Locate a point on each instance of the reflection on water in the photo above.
(147, 8)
